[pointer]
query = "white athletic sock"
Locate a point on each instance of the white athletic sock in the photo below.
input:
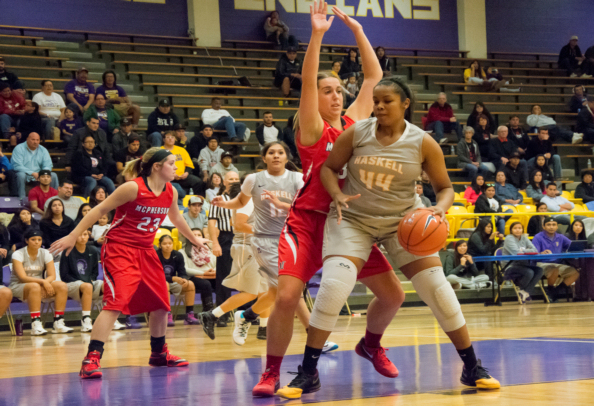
(218, 312)
(86, 313)
(263, 321)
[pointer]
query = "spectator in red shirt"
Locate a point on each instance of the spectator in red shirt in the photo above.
(39, 194)
(12, 106)
(441, 119)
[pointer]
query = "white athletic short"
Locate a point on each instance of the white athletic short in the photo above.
(266, 253)
(74, 290)
(244, 275)
(354, 238)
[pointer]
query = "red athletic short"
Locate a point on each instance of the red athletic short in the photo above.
(300, 247)
(134, 280)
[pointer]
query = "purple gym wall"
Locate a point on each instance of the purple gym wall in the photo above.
(99, 15)
(538, 26)
(389, 32)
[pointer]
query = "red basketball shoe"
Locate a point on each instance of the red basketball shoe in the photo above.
(268, 385)
(165, 359)
(378, 358)
(90, 366)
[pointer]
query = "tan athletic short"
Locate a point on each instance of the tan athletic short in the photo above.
(549, 268)
(18, 291)
(244, 275)
(74, 289)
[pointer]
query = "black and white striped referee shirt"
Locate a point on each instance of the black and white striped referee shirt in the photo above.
(222, 216)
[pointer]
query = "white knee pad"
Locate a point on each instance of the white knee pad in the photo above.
(338, 280)
(435, 290)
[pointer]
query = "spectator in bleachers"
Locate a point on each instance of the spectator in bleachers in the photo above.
(184, 165)
(5, 76)
(209, 157)
(69, 125)
(506, 191)
(8, 175)
(160, 121)
(350, 64)
(352, 87)
(469, 156)
(121, 139)
(577, 231)
(198, 142)
(549, 241)
(5, 299)
(177, 279)
(540, 164)
(482, 243)
(489, 202)
(441, 119)
(89, 167)
(225, 165)
(83, 210)
(537, 187)
(79, 270)
(578, 101)
(277, 32)
(51, 107)
(131, 152)
(5, 254)
(98, 196)
(34, 278)
(55, 224)
(524, 275)
(516, 174)
(181, 140)
(71, 204)
(483, 135)
(542, 145)
(460, 269)
(30, 122)
(28, 159)
(80, 94)
(98, 231)
(288, 137)
(287, 75)
(585, 190)
(214, 184)
(502, 149)
(12, 108)
(537, 120)
(201, 264)
(536, 223)
(117, 97)
(195, 217)
(20, 223)
(40, 193)
(588, 64)
(220, 119)
(571, 57)
(585, 120)
(475, 189)
(480, 108)
(76, 143)
(19, 88)
(384, 61)
(499, 84)
(109, 119)
(268, 131)
(557, 204)
(335, 69)
(518, 134)
(428, 191)
(419, 190)
(475, 75)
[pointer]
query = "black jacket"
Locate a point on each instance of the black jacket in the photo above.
(173, 266)
(534, 225)
(476, 247)
(464, 271)
(472, 120)
(522, 141)
(585, 121)
(70, 265)
(348, 67)
(78, 136)
(120, 141)
(30, 123)
(260, 132)
(284, 67)
(484, 144)
(502, 149)
(515, 176)
(8, 77)
(17, 233)
(428, 192)
(538, 147)
(197, 144)
(52, 232)
(158, 122)
(82, 165)
(566, 53)
(482, 204)
(576, 103)
(547, 173)
(585, 191)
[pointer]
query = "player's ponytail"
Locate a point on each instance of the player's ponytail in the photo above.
(144, 166)
(400, 87)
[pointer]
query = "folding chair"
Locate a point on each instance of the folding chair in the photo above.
(177, 302)
(499, 270)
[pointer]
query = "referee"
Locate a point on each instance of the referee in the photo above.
(220, 231)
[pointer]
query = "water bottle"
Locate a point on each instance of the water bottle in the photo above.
(18, 326)
(191, 191)
(453, 150)
(589, 164)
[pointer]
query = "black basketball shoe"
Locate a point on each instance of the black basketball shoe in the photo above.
(208, 321)
(479, 377)
(302, 383)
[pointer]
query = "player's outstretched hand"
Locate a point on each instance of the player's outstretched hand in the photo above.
(64, 244)
(200, 242)
(437, 211)
(272, 197)
(319, 11)
(218, 201)
(348, 21)
(341, 200)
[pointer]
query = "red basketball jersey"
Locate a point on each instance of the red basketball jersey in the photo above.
(313, 195)
(136, 223)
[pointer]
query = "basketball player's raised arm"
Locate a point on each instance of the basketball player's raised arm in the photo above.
(434, 165)
(340, 155)
(122, 195)
(310, 121)
(363, 104)
(237, 202)
(180, 223)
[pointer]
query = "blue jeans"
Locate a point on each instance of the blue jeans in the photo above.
(556, 165)
(525, 276)
(233, 128)
(91, 183)
(5, 123)
(21, 178)
(181, 193)
(500, 221)
(156, 139)
(472, 170)
(440, 128)
(49, 124)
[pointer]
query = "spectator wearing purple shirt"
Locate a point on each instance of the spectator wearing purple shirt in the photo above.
(549, 241)
(69, 125)
(117, 97)
(79, 93)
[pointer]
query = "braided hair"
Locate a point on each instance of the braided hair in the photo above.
(400, 87)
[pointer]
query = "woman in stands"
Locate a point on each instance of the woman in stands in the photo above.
(213, 186)
(540, 164)
(54, 223)
(318, 124)
(134, 281)
(20, 223)
(577, 231)
(482, 242)
(480, 108)
(536, 119)
(97, 196)
(482, 136)
(460, 269)
(535, 224)
(475, 75)
(488, 202)
(83, 210)
(475, 189)
(201, 267)
(537, 187)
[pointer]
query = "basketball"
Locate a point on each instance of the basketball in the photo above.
(422, 233)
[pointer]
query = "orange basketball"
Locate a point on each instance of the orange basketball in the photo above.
(422, 233)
